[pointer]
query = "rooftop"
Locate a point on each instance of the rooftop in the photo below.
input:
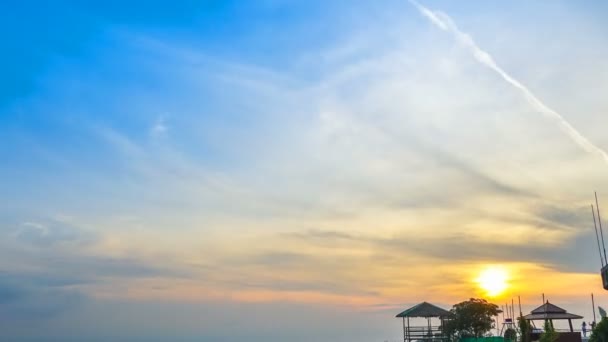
(424, 309)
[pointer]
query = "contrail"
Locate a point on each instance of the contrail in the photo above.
(444, 22)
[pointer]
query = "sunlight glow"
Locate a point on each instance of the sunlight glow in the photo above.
(493, 280)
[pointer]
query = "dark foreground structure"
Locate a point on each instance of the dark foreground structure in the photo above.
(548, 313)
(431, 332)
(428, 333)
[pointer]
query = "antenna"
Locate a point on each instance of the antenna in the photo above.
(597, 238)
(597, 207)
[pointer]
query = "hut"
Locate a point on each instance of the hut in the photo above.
(424, 333)
(550, 312)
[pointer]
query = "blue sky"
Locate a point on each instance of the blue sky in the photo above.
(168, 166)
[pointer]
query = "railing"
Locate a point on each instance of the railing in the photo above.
(540, 331)
(424, 334)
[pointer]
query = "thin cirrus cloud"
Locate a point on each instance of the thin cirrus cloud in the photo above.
(444, 22)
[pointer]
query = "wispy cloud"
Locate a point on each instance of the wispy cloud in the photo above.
(444, 22)
(374, 155)
(51, 233)
(159, 128)
(27, 298)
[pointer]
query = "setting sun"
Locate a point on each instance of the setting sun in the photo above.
(493, 280)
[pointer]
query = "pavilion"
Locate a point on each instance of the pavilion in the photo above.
(426, 333)
(550, 312)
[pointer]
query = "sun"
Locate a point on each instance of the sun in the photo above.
(493, 280)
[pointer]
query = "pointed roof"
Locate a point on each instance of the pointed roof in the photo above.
(550, 311)
(548, 308)
(424, 309)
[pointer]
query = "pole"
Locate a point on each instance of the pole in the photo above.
(599, 219)
(512, 310)
(408, 328)
(543, 298)
(593, 306)
(404, 331)
(597, 238)
(498, 327)
(519, 301)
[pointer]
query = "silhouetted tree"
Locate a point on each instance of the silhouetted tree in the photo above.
(525, 329)
(471, 318)
(600, 332)
(550, 335)
(510, 335)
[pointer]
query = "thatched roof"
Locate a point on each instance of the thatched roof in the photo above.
(550, 311)
(424, 309)
(548, 308)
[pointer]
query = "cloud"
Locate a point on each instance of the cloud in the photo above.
(553, 236)
(444, 22)
(354, 184)
(320, 235)
(577, 218)
(61, 246)
(159, 128)
(392, 157)
(56, 284)
(31, 298)
(52, 233)
(57, 266)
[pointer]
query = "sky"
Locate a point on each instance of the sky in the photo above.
(294, 170)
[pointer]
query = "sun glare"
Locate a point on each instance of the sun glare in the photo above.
(493, 280)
